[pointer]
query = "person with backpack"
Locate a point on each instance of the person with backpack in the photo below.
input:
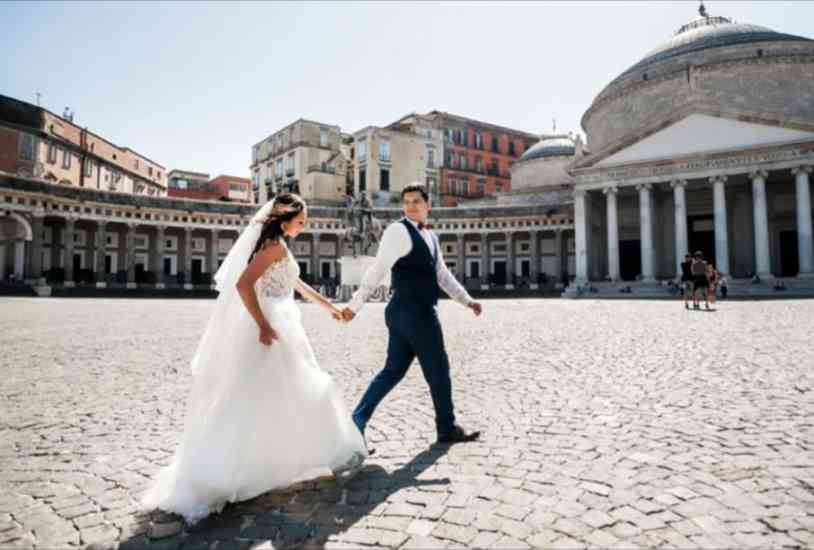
(699, 279)
(712, 281)
(686, 279)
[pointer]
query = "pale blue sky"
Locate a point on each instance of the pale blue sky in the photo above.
(194, 86)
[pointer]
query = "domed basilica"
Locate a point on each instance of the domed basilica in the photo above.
(705, 144)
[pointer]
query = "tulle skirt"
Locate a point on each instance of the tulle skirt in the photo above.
(258, 418)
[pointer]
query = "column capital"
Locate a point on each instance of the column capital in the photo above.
(39, 212)
(678, 183)
(611, 189)
(755, 174)
(71, 218)
(579, 193)
(801, 170)
(102, 223)
(131, 226)
(720, 178)
(188, 230)
(644, 187)
(460, 236)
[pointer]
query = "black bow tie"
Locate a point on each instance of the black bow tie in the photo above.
(422, 225)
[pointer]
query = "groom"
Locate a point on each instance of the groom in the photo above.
(413, 255)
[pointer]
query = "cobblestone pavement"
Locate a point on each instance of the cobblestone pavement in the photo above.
(615, 424)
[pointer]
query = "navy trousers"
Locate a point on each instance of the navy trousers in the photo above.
(415, 332)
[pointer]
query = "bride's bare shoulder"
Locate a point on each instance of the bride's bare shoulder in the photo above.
(272, 250)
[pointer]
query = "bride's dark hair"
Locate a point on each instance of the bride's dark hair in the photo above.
(287, 206)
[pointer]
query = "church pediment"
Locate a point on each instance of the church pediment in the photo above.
(702, 134)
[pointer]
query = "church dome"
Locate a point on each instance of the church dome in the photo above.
(550, 146)
(706, 32)
(711, 64)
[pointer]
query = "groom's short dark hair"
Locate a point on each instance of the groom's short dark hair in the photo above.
(416, 188)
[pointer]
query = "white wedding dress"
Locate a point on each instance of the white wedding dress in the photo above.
(258, 417)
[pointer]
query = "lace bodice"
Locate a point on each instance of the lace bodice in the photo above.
(279, 279)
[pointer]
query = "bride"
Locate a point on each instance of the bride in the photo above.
(261, 414)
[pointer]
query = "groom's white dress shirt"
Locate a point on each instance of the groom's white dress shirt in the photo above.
(395, 244)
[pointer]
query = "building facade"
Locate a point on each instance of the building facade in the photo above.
(198, 186)
(477, 157)
(386, 160)
(35, 142)
(190, 185)
(305, 157)
(56, 237)
(706, 144)
(233, 188)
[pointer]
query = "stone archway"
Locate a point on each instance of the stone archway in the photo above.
(15, 230)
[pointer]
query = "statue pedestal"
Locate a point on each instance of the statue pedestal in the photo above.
(351, 272)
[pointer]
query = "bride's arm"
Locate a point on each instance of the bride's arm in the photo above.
(273, 252)
(316, 298)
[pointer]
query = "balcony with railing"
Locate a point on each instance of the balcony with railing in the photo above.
(322, 168)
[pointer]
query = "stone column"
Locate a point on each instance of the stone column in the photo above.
(804, 233)
(213, 255)
(560, 258)
(19, 260)
(581, 237)
(2, 262)
(509, 260)
(68, 260)
(187, 251)
(613, 232)
(315, 258)
(761, 221)
(461, 259)
(130, 252)
(37, 228)
(158, 256)
(56, 245)
(484, 260)
(534, 245)
(646, 232)
(721, 226)
(680, 221)
(100, 243)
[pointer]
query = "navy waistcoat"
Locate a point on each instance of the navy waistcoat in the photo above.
(414, 276)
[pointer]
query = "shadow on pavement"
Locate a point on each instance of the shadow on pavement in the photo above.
(303, 516)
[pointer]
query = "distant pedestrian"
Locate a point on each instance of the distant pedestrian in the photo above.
(686, 279)
(723, 284)
(699, 279)
(712, 284)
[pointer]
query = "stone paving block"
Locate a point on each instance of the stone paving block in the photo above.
(163, 530)
(455, 533)
(485, 539)
(515, 529)
(509, 543)
(99, 535)
(567, 543)
(423, 543)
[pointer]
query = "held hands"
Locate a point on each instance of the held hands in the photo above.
(476, 308)
(348, 314)
(336, 313)
(267, 335)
